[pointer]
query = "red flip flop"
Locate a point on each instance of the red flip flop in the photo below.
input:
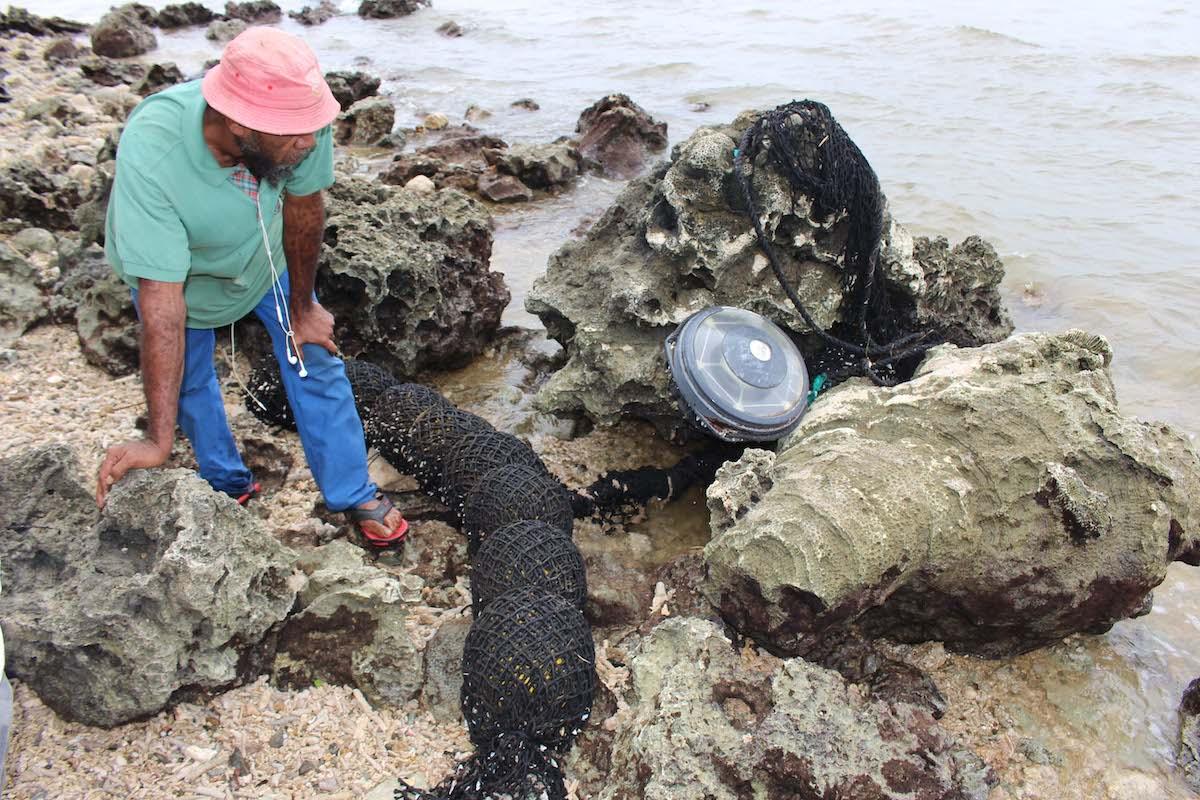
(378, 514)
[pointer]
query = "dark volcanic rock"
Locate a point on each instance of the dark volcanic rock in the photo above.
(997, 502)
(617, 134)
(350, 87)
(406, 276)
(18, 20)
(121, 33)
(254, 12)
(386, 9)
(174, 587)
(708, 721)
(182, 15)
(456, 161)
(502, 188)
(315, 15)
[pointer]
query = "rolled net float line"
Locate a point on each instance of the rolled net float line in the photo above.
(512, 493)
(265, 396)
(434, 433)
(529, 679)
(527, 553)
(473, 455)
(388, 420)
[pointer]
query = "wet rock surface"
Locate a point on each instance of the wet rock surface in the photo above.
(997, 502)
(705, 720)
(223, 30)
(618, 136)
(121, 33)
(315, 15)
(678, 240)
(406, 276)
(350, 87)
(18, 20)
(254, 12)
(1188, 759)
(182, 15)
(173, 589)
(387, 9)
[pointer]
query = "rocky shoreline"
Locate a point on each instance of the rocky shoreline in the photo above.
(326, 710)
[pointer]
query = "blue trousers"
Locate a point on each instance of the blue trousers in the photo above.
(322, 403)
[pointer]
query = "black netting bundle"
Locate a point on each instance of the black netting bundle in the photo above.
(433, 434)
(622, 493)
(477, 453)
(265, 396)
(507, 494)
(806, 145)
(527, 553)
(390, 417)
(529, 678)
(367, 381)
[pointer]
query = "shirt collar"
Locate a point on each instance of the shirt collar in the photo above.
(192, 132)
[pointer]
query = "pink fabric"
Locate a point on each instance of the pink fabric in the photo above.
(270, 81)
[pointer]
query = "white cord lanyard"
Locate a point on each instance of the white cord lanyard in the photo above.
(281, 310)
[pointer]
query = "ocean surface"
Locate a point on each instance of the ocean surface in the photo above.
(1066, 133)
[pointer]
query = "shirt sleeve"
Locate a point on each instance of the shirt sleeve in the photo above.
(315, 172)
(150, 239)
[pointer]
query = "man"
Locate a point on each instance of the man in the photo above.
(216, 212)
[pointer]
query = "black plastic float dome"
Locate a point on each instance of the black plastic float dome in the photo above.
(739, 375)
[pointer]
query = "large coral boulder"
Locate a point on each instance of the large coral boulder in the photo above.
(406, 275)
(678, 240)
(172, 590)
(617, 135)
(122, 32)
(997, 502)
(706, 720)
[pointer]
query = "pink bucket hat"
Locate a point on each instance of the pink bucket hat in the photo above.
(270, 81)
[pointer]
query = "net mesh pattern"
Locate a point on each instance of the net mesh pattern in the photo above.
(389, 419)
(507, 494)
(477, 453)
(527, 553)
(529, 678)
(367, 382)
(434, 433)
(803, 142)
(266, 385)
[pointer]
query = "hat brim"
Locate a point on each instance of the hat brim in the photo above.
(277, 121)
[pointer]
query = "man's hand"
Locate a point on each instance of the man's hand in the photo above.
(136, 454)
(313, 325)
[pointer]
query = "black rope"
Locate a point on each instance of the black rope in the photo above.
(808, 147)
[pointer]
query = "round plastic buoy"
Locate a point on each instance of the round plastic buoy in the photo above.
(740, 377)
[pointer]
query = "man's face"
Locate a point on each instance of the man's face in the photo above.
(273, 158)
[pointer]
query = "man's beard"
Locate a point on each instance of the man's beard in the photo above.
(262, 166)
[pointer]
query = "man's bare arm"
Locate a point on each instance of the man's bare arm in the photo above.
(164, 315)
(303, 231)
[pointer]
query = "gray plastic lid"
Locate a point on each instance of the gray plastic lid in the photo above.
(739, 373)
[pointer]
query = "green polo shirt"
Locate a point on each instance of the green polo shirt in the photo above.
(174, 215)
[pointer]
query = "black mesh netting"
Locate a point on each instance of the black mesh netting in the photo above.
(265, 396)
(527, 553)
(621, 493)
(389, 419)
(507, 494)
(367, 381)
(810, 149)
(473, 455)
(529, 678)
(434, 433)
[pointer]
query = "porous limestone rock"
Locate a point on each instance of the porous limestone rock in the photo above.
(540, 166)
(353, 633)
(997, 502)
(678, 240)
(37, 196)
(350, 87)
(406, 275)
(442, 688)
(366, 122)
(107, 324)
(254, 12)
(617, 135)
(706, 720)
(223, 30)
(121, 33)
(21, 304)
(315, 15)
(182, 15)
(18, 20)
(173, 589)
